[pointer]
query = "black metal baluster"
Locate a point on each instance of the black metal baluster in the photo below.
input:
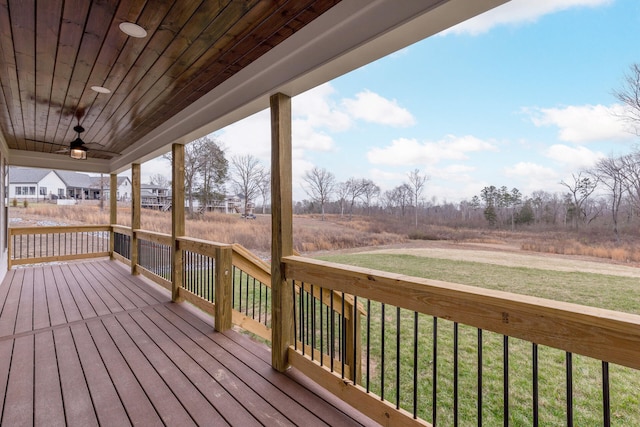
(295, 318)
(382, 371)
(536, 389)
(606, 402)
(455, 373)
(321, 330)
(569, 359)
(505, 368)
(415, 364)
(397, 357)
(343, 337)
(333, 336)
(368, 343)
(479, 377)
(434, 390)
(313, 324)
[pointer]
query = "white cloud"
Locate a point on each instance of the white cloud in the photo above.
(405, 151)
(528, 169)
(518, 12)
(319, 110)
(584, 123)
(371, 107)
(573, 157)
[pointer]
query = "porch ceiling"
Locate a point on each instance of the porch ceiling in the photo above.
(203, 64)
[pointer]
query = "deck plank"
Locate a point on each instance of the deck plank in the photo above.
(133, 397)
(54, 302)
(234, 377)
(129, 284)
(232, 411)
(40, 307)
(87, 277)
(18, 409)
(24, 317)
(10, 307)
(69, 305)
(6, 350)
(78, 405)
(291, 393)
(48, 407)
(111, 287)
(163, 399)
(193, 401)
(84, 290)
(110, 409)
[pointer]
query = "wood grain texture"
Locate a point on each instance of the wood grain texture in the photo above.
(281, 229)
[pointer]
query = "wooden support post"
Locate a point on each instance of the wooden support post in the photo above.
(223, 289)
(282, 230)
(113, 210)
(135, 215)
(177, 217)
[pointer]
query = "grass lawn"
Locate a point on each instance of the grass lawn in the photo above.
(611, 292)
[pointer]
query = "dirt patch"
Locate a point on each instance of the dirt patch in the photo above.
(507, 255)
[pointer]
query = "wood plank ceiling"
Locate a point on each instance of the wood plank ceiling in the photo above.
(53, 51)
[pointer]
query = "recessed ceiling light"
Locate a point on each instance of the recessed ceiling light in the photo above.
(133, 30)
(100, 89)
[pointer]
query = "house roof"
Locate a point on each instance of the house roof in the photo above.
(203, 65)
(18, 175)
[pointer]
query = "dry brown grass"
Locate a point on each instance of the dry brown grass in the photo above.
(311, 234)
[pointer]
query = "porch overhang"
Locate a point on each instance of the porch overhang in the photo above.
(348, 35)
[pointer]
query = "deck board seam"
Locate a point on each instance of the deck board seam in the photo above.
(78, 322)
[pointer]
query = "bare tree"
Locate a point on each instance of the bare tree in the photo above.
(369, 193)
(159, 180)
(355, 189)
(247, 174)
(416, 182)
(610, 172)
(265, 188)
(629, 95)
(320, 186)
(342, 191)
(580, 190)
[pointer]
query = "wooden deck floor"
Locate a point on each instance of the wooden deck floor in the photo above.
(88, 344)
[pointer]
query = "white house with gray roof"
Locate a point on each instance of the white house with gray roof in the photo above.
(35, 184)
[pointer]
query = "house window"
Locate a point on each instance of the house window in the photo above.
(60, 192)
(32, 191)
(43, 191)
(18, 191)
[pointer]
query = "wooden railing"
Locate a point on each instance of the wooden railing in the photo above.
(413, 310)
(396, 347)
(31, 245)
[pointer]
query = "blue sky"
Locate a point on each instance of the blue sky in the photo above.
(521, 96)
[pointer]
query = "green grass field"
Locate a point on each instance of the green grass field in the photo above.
(611, 292)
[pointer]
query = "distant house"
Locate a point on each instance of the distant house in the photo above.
(100, 184)
(35, 184)
(47, 184)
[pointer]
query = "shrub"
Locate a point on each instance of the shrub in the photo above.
(25, 203)
(14, 202)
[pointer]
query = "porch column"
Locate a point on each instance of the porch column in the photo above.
(135, 214)
(177, 217)
(113, 209)
(282, 229)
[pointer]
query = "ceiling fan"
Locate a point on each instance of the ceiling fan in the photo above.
(78, 148)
